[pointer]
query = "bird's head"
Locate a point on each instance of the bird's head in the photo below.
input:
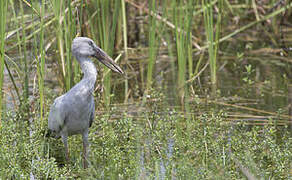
(85, 47)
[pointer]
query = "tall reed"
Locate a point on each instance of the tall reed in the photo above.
(41, 63)
(182, 18)
(58, 11)
(3, 10)
(106, 31)
(19, 70)
(152, 43)
(68, 21)
(66, 30)
(212, 40)
(125, 44)
(24, 67)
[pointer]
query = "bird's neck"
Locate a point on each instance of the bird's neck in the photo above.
(88, 70)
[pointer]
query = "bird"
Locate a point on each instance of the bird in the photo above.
(73, 112)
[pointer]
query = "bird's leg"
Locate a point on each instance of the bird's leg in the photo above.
(85, 148)
(65, 141)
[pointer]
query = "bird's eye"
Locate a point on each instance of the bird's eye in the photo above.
(90, 43)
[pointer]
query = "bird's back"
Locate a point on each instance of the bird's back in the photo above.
(73, 112)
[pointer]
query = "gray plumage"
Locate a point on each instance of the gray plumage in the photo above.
(73, 112)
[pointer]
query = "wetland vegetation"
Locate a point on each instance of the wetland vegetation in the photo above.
(207, 92)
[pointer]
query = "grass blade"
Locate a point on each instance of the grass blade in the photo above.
(3, 10)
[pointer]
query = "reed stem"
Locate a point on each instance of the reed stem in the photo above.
(107, 24)
(3, 10)
(152, 45)
(42, 62)
(125, 44)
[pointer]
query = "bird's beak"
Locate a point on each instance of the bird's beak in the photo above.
(106, 60)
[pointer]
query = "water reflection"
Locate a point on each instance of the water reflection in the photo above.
(165, 165)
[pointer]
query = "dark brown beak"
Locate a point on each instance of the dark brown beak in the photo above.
(106, 60)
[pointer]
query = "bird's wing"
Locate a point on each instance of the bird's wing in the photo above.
(91, 117)
(57, 115)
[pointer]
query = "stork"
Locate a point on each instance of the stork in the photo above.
(73, 112)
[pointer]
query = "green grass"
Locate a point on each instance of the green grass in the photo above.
(3, 9)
